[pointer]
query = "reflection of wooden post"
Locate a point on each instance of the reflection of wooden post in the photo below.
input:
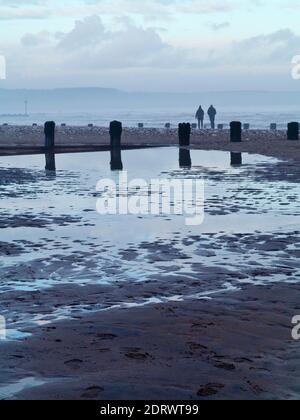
(184, 134)
(49, 130)
(50, 161)
(293, 131)
(235, 132)
(236, 159)
(116, 163)
(115, 131)
(185, 160)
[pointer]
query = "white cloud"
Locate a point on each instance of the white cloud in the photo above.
(93, 53)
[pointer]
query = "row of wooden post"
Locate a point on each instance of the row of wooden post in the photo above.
(184, 133)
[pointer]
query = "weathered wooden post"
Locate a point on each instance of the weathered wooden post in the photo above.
(293, 131)
(184, 134)
(235, 132)
(50, 161)
(115, 131)
(116, 163)
(273, 127)
(236, 159)
(185, 160)
(49, 130)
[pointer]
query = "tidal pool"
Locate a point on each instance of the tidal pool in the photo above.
(54, 241)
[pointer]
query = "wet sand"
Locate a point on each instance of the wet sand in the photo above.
(237, 346)
(14, 140)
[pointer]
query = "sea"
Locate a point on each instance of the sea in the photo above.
(156, 118)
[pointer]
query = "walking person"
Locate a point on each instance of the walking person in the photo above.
(200, 117)
(212, 112)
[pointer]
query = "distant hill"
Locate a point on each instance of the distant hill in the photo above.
(95, 99)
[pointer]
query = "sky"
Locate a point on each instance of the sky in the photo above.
(150, 45)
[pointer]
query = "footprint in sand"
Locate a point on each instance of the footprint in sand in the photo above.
(209, 390)
(92, 392)
(106, 336)
(74, 363)
(225, 366)
(137, 354)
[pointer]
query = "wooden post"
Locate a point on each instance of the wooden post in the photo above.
(140, 125)
(49, 130)
(50, 161)
(246, 127)
(293, 131)
(185, 160)
(273, 127)
(235, 132)
(115, 131)
(184, 134)
(116, 163)
(168, 126)
(236, 159)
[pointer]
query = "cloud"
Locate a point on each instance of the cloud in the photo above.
(149, 9)
(91, 53)
(219, 26)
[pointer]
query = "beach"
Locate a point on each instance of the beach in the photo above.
(145, 308)
(236, 347)
(25, 139)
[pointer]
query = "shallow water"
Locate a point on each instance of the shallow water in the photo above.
(9, 391)
(52, 236)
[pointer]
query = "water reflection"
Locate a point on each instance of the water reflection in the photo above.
(236, 159)
(116, 163)
(50, 162)
(185, 160)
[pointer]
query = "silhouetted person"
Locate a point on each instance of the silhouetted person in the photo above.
(212, 116)
(200, 117)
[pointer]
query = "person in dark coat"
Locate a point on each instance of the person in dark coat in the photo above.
(212, 116)
(200, 117)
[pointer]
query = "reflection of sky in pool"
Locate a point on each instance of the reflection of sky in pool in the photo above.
(63, 239)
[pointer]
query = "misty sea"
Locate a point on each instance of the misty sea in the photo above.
(156, 118)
